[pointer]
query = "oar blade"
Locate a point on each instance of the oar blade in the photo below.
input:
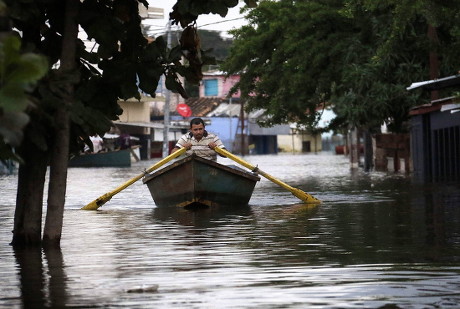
(91, 206)
(305, 197)
(94, 205)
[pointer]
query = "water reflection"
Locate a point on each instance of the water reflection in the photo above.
(203, 217)
(42, 277)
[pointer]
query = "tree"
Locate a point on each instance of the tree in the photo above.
(217, 47)
(398, 52)
(288, 67)
(78, 96)
(358, 56)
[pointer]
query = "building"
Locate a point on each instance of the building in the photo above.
(136, 121)
(246, 135)
(435, 133)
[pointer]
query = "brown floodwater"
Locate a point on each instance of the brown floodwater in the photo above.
(377, 239)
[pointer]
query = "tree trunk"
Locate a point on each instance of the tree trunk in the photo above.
(368, 151)
(354, 147)
(58, 181)
(29, 199)
(31, 179)
(60, 150)
(434, 59)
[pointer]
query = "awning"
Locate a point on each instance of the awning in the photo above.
(453, 108)
(436, 84)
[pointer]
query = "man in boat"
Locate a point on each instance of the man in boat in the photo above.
(199, 141)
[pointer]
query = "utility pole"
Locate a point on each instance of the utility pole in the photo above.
(231, 136)
(166, 106)
(243, 137)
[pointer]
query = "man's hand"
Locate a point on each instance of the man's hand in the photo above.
(188, 146)
(212, 145)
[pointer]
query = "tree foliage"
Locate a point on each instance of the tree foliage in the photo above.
(19, 73)
(120, 63)
(217, 45)
(356, 55)
(288, 67)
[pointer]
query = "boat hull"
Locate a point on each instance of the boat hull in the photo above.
(194, 182)
(119, 158)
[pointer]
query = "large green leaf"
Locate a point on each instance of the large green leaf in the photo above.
(18, 76)
(13, 98)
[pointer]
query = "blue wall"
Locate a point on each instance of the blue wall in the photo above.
(225, 128)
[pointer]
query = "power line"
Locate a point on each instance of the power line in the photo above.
(222, 21)
(208, 24)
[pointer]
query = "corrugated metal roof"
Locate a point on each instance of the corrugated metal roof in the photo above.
(282, 129)
(233, 110)
(226, 110)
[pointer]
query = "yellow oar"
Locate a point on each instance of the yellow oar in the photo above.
(307, 198)
(94, 205)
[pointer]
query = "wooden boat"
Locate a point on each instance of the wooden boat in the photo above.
(194, 181)
(117, 158)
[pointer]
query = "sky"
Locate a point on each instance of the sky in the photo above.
(205, 22)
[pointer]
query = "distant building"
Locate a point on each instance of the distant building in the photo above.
(136, 121)
(239, 130)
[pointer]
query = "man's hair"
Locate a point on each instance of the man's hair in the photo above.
(196, 121)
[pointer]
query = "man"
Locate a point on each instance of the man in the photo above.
(199, 141)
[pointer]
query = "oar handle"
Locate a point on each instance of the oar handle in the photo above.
(273, 179)
(229, 155)
(165, 160)
(150, 169)
(251, 167)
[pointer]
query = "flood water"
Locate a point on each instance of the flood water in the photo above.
(377, 239)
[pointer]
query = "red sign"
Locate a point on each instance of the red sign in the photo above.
(184, 110)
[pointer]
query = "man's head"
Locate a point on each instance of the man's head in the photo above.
(197, 128)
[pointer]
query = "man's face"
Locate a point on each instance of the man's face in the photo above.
(197, 131)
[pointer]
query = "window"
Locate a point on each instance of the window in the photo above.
(210, 87)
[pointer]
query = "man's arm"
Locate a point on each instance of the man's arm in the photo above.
(182, 142)
(187, 146)
(216, 143)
